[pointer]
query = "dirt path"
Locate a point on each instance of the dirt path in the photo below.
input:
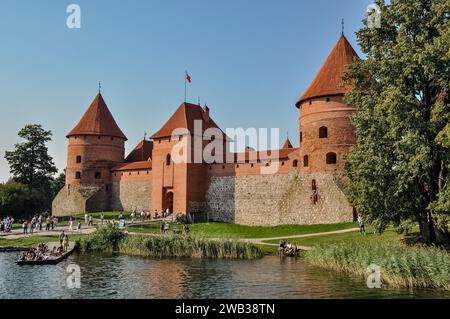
(18, 233)
(261, 241)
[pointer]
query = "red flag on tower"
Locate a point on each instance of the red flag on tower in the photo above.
(188, 77)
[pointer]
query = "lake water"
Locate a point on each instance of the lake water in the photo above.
(108, 276)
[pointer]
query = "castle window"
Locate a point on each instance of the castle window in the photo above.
(237, 166)
(295, 163)
(253, 165)
(328, 99)
(223, 166)
(323, 132)
(147, 172)
(301, 137)
(282, 163)
(313, 185)
(305, 161)
(78, 159)
(139, 173)
(310, 102)
(267, 164)
(78, 175)
(115, 174)
(98, 175)
(331, 158)
(99, 137)
(168, 159)
(180, 138)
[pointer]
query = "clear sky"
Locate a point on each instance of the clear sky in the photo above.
(250, 60)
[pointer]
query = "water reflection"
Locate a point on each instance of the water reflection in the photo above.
(107, 276)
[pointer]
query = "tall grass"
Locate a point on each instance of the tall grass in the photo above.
(109, 238)
(401, 265)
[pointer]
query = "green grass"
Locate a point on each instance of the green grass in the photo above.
(33, 240)
(218, 230)
(388, 236)
(401, 265)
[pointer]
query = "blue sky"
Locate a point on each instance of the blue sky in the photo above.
(249, 61)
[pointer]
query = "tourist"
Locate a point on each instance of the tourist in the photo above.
(70, 224)
(86, 216)
(102, 218)
(142, 215)
(40, 222)
(56, 221)
(90, 221)
(79, 227)
(47, 223)
(132, 217)
(61, 238)
(362, 227)
(166, 228)
(161, 228)
(66, 242)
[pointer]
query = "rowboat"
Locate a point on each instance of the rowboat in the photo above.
(50, 260)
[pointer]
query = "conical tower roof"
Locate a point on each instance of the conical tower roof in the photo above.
(97, 120)
(287, 144)
(329, 79)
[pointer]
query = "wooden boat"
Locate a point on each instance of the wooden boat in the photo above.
(51, 260)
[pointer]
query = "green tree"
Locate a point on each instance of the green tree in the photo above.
(30, 162)
(13, 199)
(399, 168)
(32, 166)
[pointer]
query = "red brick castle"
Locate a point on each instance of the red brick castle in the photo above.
(308, 186)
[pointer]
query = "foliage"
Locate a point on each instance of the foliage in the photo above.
(110, 238)
(33, 187)
(399, 168)
(401, 265)
(105, 239)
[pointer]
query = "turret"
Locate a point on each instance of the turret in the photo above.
(326, 132)
(96, 144)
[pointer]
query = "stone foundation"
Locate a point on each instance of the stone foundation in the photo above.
(279, 199)
(131, 195)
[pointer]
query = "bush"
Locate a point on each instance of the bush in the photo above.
(105, 239)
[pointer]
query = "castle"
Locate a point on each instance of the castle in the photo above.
(308, 186)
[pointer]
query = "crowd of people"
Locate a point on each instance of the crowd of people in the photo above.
(37, 222)
(6, 224)
(42, 251)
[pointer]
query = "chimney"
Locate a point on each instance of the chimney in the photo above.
(206, 113)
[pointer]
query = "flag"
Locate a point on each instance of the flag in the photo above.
(188, 77)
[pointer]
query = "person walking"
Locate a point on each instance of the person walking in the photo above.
(90, 221)
(86, 216)
(102, 218)
(25, 227)
(362, 228)
(70, 224)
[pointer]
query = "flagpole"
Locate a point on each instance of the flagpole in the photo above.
(185, 85)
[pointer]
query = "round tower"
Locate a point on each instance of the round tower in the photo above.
(326, 132)
(96, 144)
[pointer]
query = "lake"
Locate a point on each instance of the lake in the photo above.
(117, 276)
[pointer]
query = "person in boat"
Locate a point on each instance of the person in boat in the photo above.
(61, 238)
(282, 246)
(66, 242)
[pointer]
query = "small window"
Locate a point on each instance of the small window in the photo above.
(253, 165)
(223, 166)
(313, 185)
(180, 138)
(331, 158)
(328, 99)
(78, 159)
(282, 163)
(305, 161)
(323, 132)
(78, 175)
(310, 102)
(147, 172)
(139, 173)
(99, 137)
(301, 137)
(237, 166)
(295, 163)
(98, 175)
(168, 159)
(115, 174)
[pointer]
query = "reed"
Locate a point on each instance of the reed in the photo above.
(110, 238)
(401, 265)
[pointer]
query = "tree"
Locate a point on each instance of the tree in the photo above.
(33, 167)
(30, 162)
(399, 168)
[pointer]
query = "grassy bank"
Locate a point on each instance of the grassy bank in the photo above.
(401, 265)
(218, 230)
(109, 238)
(32, 241)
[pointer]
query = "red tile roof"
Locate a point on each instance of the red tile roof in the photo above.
(287, 144)
(97, 120)
(184, 117)
(135, 166)
(329, 79)
(142, 152)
